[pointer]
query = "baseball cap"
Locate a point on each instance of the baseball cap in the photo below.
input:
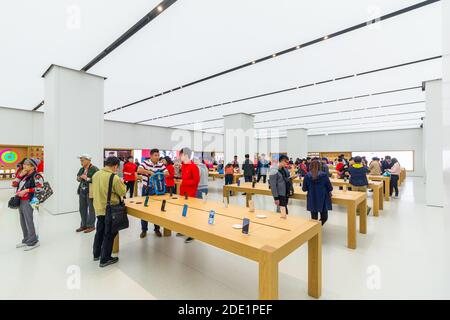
(85, 156)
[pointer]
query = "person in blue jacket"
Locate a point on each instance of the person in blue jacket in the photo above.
(318, 186)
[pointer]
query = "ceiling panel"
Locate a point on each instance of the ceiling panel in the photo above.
(35, 34)
(409, 37)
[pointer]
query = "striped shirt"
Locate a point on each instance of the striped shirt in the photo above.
(150, 166)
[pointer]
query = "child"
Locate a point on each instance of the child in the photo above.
(229, 173)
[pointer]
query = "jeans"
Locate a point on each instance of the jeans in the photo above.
(394, 185)
(264, 176)
(130, 186)
(87, 211)
(228, 179)
(248, 178)
(144, 224)
(27, 223)
(104, 239)
(200, 191)
(323, 216)
(359, 189)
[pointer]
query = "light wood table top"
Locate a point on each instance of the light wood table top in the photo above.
(350, 199)
(375, 186)
(269, 240)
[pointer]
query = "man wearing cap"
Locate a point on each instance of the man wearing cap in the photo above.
(84, 177)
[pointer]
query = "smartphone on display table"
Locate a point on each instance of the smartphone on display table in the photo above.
(245, 225)
(185, 208)
(185, 196)
(146, 202)
(163, 205)
(211, 217)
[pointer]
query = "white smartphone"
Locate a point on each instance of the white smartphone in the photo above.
(251, 206)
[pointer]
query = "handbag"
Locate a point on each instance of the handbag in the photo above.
(118, 212)
(45, 193)
(14, 202)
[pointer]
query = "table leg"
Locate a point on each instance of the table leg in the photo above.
(248, 197)
(376, 201)
(351, 226)
(268, 277)
(381, 198)
(315, 265)
(387, 189)
(167, 232)
(116, 244)
(363, 217)
(226, 193)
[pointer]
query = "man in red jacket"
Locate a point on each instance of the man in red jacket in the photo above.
(190, 174)
(190, 177)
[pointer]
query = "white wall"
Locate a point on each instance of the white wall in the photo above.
(20, 127)
(395, 140)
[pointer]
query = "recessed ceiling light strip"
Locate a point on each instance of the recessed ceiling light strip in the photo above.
(276, 55)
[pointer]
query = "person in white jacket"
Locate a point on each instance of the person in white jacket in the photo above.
(395, 175)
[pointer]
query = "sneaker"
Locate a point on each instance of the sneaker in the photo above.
(158, 233)
(96, 258)
(81, 229)
(188, 240)
(143, 234)
(21, 245)
(179, 234)
(109, 262)
(28, 248)
(90, 229)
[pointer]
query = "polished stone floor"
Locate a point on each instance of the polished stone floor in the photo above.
(405, 255)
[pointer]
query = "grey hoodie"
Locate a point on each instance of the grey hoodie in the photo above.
(203, 184)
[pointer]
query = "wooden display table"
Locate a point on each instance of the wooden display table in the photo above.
(387, 184)
(215, 174)
(375, 186)
(269, 241)
(350, 199)
(402, 176)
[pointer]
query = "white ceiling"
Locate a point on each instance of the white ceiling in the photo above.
(197, 38)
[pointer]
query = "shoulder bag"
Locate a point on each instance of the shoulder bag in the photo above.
(117, 212)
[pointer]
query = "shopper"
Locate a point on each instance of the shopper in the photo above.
(190, 175)
(386, 164)
(263, 168)
(395, 175)
(147, 169)
(130, 175)
(358, 177)
(248, 169)
(340, 168)
(104, 237)
(281, 183)
(203, 182)
(318, 186)
(30, 182)
(308, 162)
(170, 178)
(302, 169)
(375, 167)
(137, 163)
(86, 203)
(229, 174)
(324, 167)
(235, 163)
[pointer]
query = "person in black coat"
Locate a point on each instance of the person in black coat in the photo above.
(318, 186)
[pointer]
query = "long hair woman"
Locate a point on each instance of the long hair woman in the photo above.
(318, 186)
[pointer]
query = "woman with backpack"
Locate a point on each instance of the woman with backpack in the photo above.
(30, 182)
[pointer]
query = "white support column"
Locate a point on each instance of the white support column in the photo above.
(297, 143)
(239, 137)
(73, 124)
(446, 92)
(434, 141)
